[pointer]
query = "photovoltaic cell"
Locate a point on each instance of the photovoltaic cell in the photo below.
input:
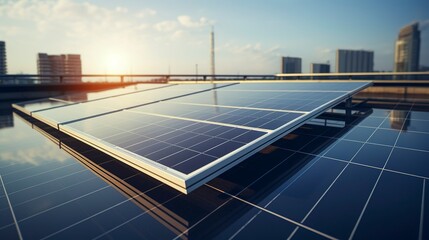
(187, 134)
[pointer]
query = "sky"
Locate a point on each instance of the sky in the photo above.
(172, 36)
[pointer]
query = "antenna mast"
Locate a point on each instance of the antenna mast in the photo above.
(212, 54)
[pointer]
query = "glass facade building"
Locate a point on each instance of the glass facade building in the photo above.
(291, 65)
(320, 68)
(3, 65)
(407, 49)
(64, 64)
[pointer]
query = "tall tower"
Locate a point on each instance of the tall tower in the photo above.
(212, 54)
(407, 49)
(3, 65)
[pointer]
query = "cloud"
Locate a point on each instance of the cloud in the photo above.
(92, 29)
(166, 26)
(254, 51)
(121, 10)
(187, 21)
(10, 30)
(236, 58)
(146, 13)
(177, 28)
(326, 50)
(69, 16)
(34, 155)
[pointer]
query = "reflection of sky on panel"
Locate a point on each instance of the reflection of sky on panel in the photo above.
(92, 108)
(259, 99)
(42, 104)
(32, 149)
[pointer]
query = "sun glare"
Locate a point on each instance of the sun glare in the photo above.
(115, 64)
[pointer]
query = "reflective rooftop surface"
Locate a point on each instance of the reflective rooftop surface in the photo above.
(362, 177)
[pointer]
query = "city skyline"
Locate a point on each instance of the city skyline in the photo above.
(139, 37)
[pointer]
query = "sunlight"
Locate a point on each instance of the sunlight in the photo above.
(115, 64)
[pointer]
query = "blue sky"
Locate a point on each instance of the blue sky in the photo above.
(157, 36)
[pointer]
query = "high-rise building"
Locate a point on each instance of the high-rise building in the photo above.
(3, 64)
(320, 68)
(291, 65)
(354, 61)
(407, 49)
(64, 64)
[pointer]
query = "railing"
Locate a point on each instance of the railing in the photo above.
(356, 76)
(144, 78)
(138, 78)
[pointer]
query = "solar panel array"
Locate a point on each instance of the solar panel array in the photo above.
(185, 135)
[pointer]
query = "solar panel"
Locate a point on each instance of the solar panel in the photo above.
(185, 135)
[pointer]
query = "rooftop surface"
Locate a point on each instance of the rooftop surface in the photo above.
(363, 177)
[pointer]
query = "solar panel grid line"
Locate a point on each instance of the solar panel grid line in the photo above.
(288, 91)
(298, 224)
(235, 107)
(275, 197)
(49, 181)
(77, 183)
(236, 98)
(422, 210)
(256, 180)
(203, 121)
(237, 115)
(270, 100)
(379, 144)
(257, 146)
(231, 116)
(373, 167)
(41, 173)
(329, 187)
(66, 103)
(172, 130)
(18, 230)
(96, 99)
(64, 203)
(20, 106)
(40, 115)
(113, 181)
(374, 187)
(60, 100)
